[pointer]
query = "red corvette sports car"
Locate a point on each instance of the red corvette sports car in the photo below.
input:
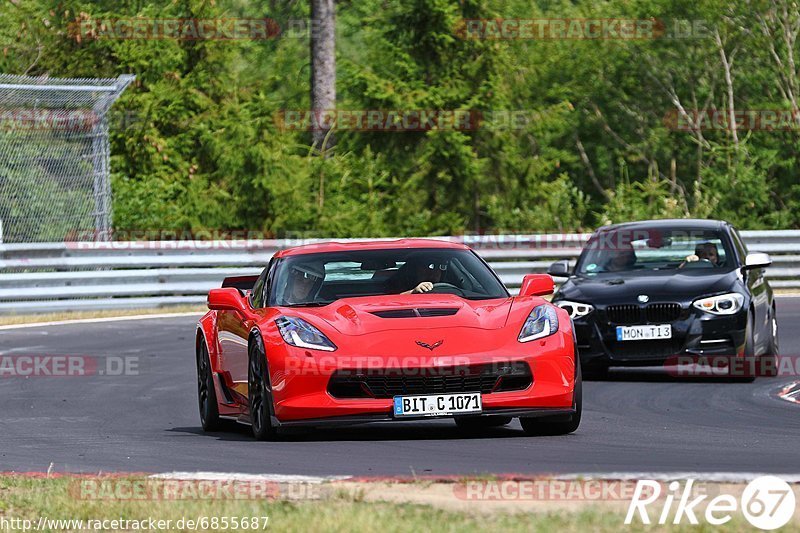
(347, 333)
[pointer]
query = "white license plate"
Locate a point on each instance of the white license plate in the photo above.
(437, 404)
(642, 333)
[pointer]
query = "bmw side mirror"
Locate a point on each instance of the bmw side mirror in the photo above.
(227, 299)
(757, 260)
(559, 269)
(537, 285)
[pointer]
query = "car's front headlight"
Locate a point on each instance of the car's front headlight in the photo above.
(542, 322)
(299, 333)
(575, 309)
(723, 304)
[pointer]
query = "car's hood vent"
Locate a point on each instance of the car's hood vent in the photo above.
(367, 315)
(416, 312)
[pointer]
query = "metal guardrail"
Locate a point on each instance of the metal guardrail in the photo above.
(49, 277)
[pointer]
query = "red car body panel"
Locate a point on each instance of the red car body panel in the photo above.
(480, 331)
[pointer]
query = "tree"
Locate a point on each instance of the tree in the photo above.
(323, 67)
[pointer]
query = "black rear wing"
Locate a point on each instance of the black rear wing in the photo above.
(243, 283)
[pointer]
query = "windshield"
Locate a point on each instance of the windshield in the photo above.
(655, 249)
(319, 279)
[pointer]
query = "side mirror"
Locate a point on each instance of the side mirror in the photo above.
(227, 299)
(536, 285)
(559, 269)
(757, 260)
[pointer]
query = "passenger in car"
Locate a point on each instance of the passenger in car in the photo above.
(622, 259)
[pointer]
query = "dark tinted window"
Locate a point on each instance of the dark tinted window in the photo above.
(741, 247)
(655, 249)
(319, 279)
(257, 294)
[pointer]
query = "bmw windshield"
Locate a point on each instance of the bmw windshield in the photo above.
(318, 279)
(627, 250)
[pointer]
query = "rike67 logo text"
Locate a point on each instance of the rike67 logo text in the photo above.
(767, 503)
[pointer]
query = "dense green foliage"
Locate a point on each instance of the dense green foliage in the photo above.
(200, 148)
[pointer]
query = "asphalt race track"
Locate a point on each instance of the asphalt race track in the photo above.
(638, 421)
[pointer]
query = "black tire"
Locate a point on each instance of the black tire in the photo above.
(749, 353)
(259, 391)
(206, 394)
(476, 423)
(562, 424)
(769, 361)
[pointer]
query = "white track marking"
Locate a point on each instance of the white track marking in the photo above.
(25, 350)
(233, 476)
(98, 320)
(712, 477)
(791, 392)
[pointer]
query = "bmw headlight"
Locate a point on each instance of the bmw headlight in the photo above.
(575, 309)
(540, 323)
(723, 304)
(299, 333)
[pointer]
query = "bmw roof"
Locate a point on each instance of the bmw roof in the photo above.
(668, 223)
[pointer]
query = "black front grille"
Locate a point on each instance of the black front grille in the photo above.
(657, 313)
(668, 312)
(624, 314)
(389, 382)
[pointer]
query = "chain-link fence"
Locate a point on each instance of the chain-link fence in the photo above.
(54, 157)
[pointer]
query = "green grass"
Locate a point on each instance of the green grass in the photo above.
(58, 498)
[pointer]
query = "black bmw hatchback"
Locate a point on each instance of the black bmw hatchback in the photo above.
(644, 293)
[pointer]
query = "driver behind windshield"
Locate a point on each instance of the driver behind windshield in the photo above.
(424, 274)
(303, 278)
(704, 251)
